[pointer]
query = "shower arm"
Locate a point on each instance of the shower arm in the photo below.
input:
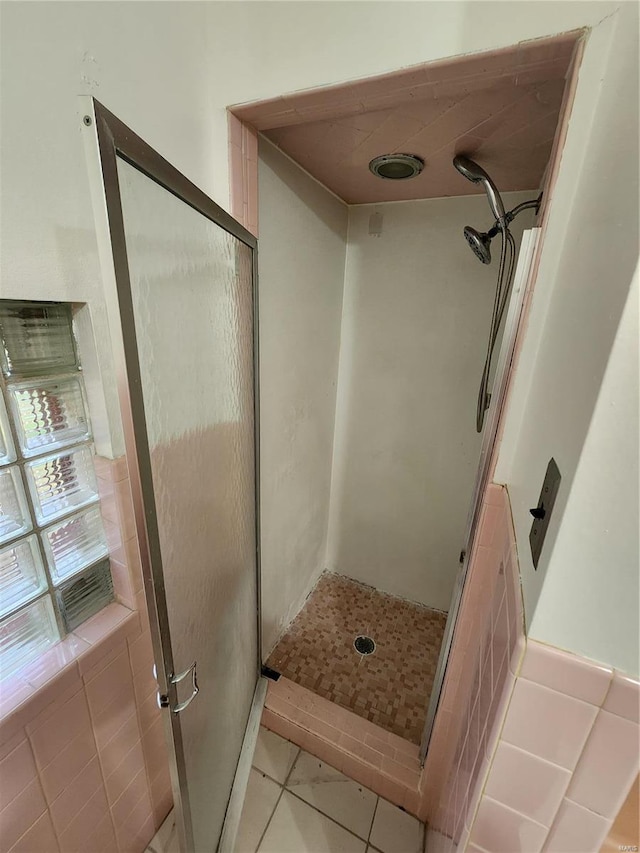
(511, 215)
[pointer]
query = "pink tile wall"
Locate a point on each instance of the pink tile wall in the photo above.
(83, 762)
(116, 506)
(538, 747)
(243, 173)
(566, 757)
(486, 652)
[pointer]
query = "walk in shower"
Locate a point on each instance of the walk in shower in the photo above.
(399, 327)
(381, 347)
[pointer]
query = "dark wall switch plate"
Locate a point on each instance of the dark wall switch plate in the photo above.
(542, 513)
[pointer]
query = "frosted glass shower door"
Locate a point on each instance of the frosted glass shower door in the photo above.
(184, 286)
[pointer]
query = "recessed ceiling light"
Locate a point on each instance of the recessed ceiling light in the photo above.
(396, 167)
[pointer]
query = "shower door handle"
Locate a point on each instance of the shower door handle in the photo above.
(163, 700)
(176, 679)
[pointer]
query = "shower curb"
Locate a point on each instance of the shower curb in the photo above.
(379, 760)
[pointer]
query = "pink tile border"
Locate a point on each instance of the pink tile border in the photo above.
(116, 506)
(565, 672)
(382, 761)
(243, 172)
(534, 58)
(27, 694)
(604, 774)
(623, 698)
(75, 710)
(489, 636)
(522, 63)
(573, 721)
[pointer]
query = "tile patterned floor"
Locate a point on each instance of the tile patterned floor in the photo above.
(390, 687)
(297, 804)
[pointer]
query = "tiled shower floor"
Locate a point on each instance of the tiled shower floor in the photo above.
(390, 687)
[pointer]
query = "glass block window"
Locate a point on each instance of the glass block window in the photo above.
(54, 566)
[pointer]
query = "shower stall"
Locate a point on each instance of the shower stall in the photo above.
(407, 311)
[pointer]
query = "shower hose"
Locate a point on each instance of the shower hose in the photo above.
(505, 274)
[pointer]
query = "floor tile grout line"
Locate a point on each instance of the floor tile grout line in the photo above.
(293, 764)
(324, 814)
(300, 752)
(328, 816)
(286, 779)
(375, 811)
(282, 790)
(265, 774)
(268, 823)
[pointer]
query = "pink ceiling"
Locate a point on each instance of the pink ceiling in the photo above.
(499, 107)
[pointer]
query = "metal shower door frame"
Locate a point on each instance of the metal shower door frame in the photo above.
(106, 139)
(519, 289)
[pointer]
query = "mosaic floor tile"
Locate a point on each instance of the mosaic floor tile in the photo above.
(390, 687)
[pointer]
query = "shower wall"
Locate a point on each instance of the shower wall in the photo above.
(417, 308)
(303, 231)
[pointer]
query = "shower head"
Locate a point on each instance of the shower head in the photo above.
(479, 242)
(472, 172)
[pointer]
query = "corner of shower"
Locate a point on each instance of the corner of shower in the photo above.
(315, 702)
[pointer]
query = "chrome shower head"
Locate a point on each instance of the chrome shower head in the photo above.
(469, 169)
(477, 175)
(479, 242)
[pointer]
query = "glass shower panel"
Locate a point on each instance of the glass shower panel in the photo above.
(191, 285)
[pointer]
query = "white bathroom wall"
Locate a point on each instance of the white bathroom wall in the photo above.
(143, 61)
(591, 598)
(417, 309)
(589, 255)
(170, 70)
(303, 231)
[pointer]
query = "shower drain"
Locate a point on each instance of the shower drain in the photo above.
(364, 645)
